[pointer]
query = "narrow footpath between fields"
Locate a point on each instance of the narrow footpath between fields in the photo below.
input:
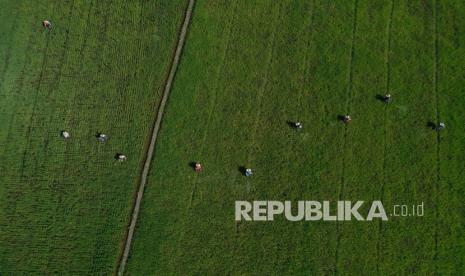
(153, 139)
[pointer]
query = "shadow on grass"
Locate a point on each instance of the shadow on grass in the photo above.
(380, 98)
(192, 164)
(431, 125)
(341, 117)
(290, 124)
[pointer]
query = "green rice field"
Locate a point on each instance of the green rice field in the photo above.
(248, 70)
(64, 205)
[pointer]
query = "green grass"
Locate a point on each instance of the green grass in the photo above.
(250, 66)
(65, 205)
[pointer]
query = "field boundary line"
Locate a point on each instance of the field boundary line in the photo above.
(34, 104)
(348, 104)
(154, 136)
(215, 94)
(306, 69)
(63, 57)
(438, 135)
(387, 88)
(261, 90)
(310, 32)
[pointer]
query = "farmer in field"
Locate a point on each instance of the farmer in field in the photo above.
(387, 98)
(65, 135)
(298, 125)
(441, 126)
(47, 24)
(248, 172)
(121, 157)
(102, 137)
(347, 119)
(198, 167)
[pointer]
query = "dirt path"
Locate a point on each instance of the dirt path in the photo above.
(156, 128)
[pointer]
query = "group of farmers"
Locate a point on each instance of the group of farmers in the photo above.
(198, 167)
(298, 125)
(102, 137)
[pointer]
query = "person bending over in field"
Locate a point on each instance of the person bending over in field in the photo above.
(65, 135)
(102, 137)
(198, 167)
(387, 98)
(47, 24)
(347, 119)
(121, 157)
(298, 125)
